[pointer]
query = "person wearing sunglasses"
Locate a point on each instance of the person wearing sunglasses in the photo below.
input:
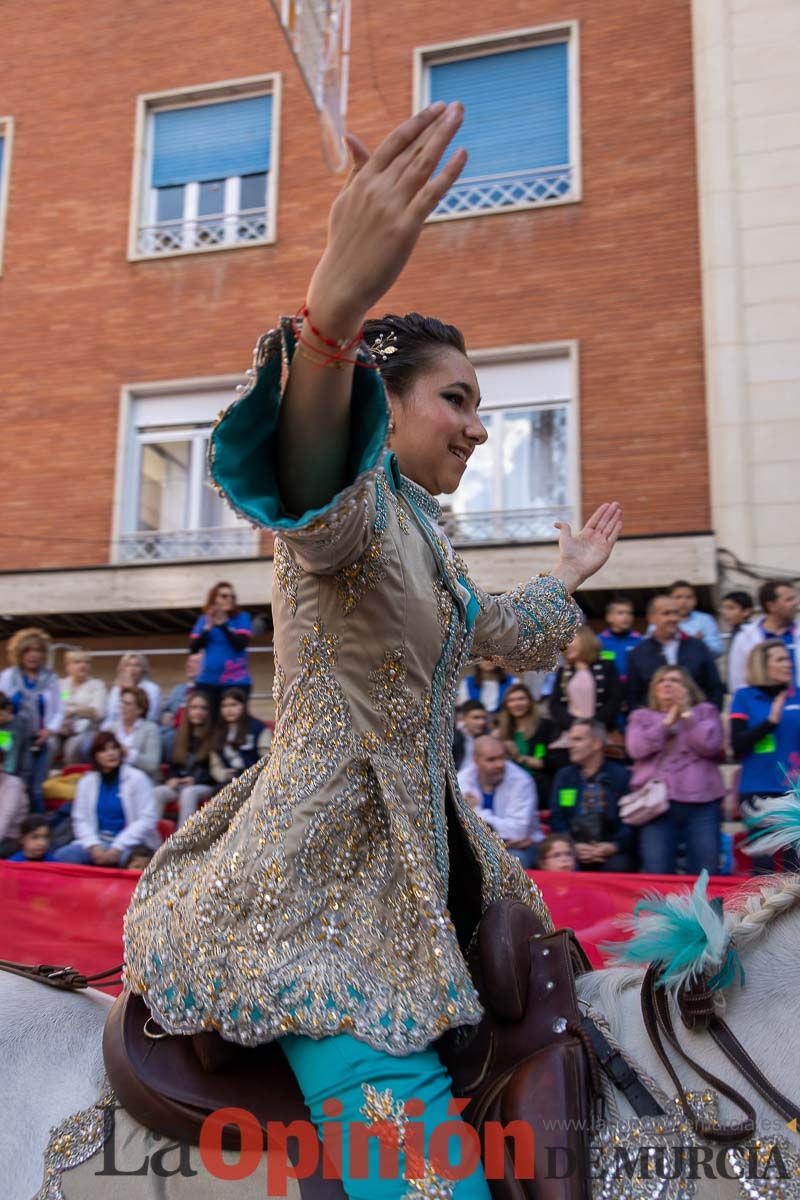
(222, 632)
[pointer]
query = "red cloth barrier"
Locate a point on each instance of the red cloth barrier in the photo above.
(73, 915)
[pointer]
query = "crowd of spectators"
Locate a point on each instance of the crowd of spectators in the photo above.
(96, 776)
(99, 777)
(706, 707)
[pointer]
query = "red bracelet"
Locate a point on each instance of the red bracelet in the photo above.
(306, 350)
(342, 344)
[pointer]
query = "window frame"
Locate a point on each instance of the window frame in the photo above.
(528, 352)
(518, 39)
(218, 389)
(191, 97)
(7, 134)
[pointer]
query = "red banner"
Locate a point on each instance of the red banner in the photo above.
(54, 913)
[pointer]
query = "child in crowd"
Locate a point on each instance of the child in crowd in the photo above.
(140, 857)
(557, 853)
(619, 637)
(239, 739)
(736, 610)
(34, 838)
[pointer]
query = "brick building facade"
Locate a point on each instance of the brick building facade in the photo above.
(589, 298)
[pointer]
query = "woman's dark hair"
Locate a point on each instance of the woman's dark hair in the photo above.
(31, 823)
(415, 341)
(222, 726)
(101, 741)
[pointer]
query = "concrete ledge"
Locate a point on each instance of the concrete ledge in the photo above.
(636, 563)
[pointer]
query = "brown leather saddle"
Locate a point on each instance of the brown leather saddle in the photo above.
(171, 1084)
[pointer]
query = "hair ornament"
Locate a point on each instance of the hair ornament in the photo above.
(384, 346)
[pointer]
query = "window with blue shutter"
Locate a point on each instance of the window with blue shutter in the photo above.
(516, 127)
(208, 174)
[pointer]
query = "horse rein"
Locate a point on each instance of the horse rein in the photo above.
(67, 979)
(696, 1004)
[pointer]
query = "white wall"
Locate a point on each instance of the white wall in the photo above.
(747, 88)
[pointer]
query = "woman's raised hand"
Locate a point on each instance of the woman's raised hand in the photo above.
(582, 554)
(378, 215)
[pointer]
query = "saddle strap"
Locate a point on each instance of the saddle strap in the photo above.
(621, 1073)
(657, 1019)
(733, 1048)
(68, 979)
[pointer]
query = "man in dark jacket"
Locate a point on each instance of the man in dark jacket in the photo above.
(584, 802)
(667, 646)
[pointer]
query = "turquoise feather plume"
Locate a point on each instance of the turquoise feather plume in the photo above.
(776, 825)
(687, 933)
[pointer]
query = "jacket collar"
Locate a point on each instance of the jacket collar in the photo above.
(414, 491)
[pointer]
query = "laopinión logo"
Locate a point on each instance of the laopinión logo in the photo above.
(296, 1150)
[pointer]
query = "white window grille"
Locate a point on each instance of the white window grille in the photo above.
(525, 476)
(521, 122)
(207, 169)
(169, 509)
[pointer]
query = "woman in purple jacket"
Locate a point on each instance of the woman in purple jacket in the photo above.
(679, 739)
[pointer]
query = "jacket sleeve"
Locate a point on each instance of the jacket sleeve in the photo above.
(606, 713)
(243, 459)
(645, 734)
(144, 812)
(148, 755)
(637, 683)
(712, 638)
(84, 811)
(744, 734)
(559, 819)
(741, 646)
(711, 683)
(705, 733)
(559, 713)
(525, 629)
(54, 715)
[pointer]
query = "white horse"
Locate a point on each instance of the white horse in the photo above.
(51, 1066)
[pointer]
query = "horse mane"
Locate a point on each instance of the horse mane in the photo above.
(753, 911)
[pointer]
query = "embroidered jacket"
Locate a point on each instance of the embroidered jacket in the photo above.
(310, 895)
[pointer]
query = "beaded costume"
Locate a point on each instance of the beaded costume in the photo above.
(310, 896)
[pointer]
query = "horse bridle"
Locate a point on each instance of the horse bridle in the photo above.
(696, 1006)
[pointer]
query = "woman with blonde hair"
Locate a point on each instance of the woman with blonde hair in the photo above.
(35, 696)
(765, 728)
(84, 699)
(133, 670)
(679, 740)
(586, 688)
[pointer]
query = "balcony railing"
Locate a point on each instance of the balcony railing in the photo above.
(481, 193)
(198, 233)
(510, 525)
(184, 545)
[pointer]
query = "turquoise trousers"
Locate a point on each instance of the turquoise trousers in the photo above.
(358, 1085)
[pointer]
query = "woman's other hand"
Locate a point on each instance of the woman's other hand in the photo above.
(582, 554)
(776, 708)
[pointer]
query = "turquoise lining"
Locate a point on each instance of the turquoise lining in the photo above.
(243, 451)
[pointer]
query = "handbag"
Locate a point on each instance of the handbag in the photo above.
(644, 804)
(647, 802)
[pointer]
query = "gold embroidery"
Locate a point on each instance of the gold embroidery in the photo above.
(286, 573)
